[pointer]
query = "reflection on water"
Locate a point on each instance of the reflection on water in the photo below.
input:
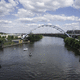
(0, 66)
(76, 52)
(79, 58)
(50, 60)
(1, 49)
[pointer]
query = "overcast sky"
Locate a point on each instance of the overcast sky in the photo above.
(21, 16)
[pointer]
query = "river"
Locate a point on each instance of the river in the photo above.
(50, 60)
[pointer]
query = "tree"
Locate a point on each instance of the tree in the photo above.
(72, 42)
(33, 37)
(16, 37)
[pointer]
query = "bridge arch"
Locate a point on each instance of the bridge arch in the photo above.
(56, 27)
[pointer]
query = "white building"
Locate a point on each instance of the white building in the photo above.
(24, 36)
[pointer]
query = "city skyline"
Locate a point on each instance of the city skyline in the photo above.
(21, 16)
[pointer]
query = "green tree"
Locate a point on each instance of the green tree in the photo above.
(33, 37)
(16, 37)
(72, 42)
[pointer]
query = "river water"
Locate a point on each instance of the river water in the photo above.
(50, 60)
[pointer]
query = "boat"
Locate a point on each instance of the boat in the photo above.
(25, 49)
(30, 54)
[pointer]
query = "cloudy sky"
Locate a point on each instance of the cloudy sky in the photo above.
(21, 16)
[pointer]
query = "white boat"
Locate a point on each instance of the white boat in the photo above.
(25, 49)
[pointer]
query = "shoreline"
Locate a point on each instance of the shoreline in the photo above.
(4, 46)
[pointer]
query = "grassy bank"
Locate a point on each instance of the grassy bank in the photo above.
(13, 44)
(72, 43)
(8, 43)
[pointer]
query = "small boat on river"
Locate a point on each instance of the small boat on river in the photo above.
(25, 49)
(30, 54)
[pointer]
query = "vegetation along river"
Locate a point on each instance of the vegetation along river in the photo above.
(50, 60)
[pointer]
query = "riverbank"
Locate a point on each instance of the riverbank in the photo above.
(73, 43)
(31, 38)
(34, 37)
(15, 44)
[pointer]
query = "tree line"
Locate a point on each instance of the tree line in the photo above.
(72, 42)
(33, 37)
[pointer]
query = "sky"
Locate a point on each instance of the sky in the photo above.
(21, 16)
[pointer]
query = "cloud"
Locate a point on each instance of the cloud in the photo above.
(72, 26)
(8, 26)
(76, 4)
(25, 20)
(41, 6)
(5, 22)
(61, 17)
(35, 7)
(13, 2)
(24, 13)
(6, 8)
(33, 20)
(32, 13)
(48, 18)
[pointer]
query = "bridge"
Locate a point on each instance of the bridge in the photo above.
(52, 26)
